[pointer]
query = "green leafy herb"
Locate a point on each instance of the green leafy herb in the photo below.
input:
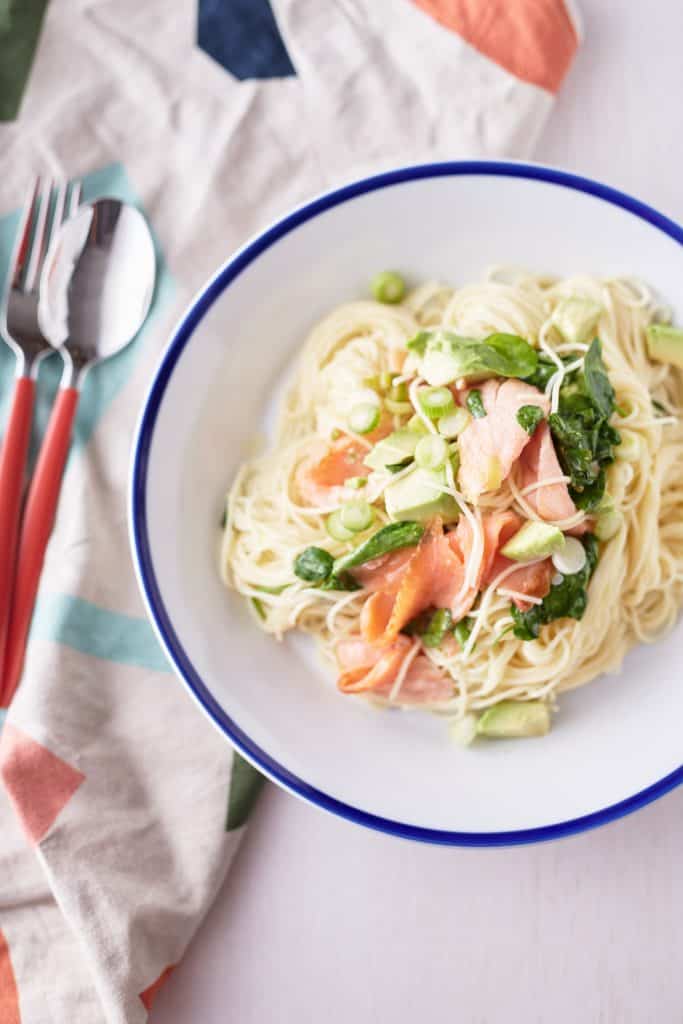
(584, 439)
(403, 534)
(528, 417)
(440, 622)
(475, 404)
(313, 565)
(567, 599)
(447, 356)
(462, 631)
(598, 384)
(419, 342)
(343, 581)
(516, 356)
(545, 369)
(258, 607)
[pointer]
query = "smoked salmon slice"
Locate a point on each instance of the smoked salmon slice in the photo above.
(539, 462)
(431, 576)
(367, 669)
(489, 446)
(321, 477)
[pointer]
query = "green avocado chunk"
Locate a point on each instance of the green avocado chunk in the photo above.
(512, 719)
(534, 540)
(416, 496)
(392, 449)
(665, 344)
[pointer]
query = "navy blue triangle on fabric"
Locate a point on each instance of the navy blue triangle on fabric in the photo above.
(243, 37)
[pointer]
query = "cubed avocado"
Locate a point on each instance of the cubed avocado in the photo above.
(512, 719)
(415, 496)
(534, 540)
(576, 318)
(665, 344)
(392, 449)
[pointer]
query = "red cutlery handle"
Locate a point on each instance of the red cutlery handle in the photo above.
(39, 517)
(12, 466)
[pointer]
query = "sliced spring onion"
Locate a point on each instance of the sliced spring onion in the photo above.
(431, 452)
(416, 424)
(385, 380)
(571, 558)
(258, 607)
(364, 396)
(335, 434)
(399, 392)
(454, 423)
(336, 528)
(357, 482)
(364, 418)
(388, 286)
(356, 516)
(436, 402)
(398, 408)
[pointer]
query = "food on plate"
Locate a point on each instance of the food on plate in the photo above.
(474, 500)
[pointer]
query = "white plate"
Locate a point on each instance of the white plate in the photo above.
(616, 743)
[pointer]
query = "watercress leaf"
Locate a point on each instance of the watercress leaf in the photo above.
(402, 534)
(518, 357)
(313, 565)
(566, 599)
(418, 344)
(545, 368)
(343, 581)
(528, 417)
(598, 384)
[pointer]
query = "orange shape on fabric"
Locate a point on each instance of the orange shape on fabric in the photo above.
(149, 995)
(535, 40)
(9, 994)
(38, 783)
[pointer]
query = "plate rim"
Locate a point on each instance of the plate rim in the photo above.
(137, 505)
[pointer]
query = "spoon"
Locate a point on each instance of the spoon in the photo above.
(95, 293)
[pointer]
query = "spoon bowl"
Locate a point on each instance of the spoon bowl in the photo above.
(97, 283)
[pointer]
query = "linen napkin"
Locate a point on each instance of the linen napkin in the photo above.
(122, 808)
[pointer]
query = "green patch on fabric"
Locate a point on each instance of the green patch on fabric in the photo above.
(245, 786)
(106, 380)
(97, 631)
(20, 22)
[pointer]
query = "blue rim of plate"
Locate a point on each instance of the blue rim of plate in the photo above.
(138, 508)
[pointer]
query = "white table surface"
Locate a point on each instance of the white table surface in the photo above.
(320, 920)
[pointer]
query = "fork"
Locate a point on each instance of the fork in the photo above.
(48, 204)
